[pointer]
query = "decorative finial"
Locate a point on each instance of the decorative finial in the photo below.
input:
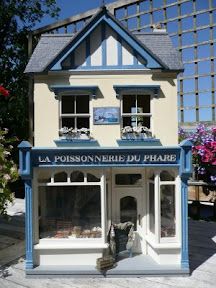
(102, 3)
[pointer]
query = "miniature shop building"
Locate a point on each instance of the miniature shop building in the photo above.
(105, 150)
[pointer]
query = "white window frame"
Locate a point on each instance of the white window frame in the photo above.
(78, 243)
(137, 114)
(74, 115)
(156, 238)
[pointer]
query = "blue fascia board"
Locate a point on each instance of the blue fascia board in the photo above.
(67, 88)
(119, 88)
(112, 149)
(126, 35)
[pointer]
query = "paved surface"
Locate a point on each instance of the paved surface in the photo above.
(202, 239)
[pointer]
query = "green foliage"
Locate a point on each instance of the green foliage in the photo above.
(8, 170)
(17, 18)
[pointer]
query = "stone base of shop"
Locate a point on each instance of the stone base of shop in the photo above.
(136, 266)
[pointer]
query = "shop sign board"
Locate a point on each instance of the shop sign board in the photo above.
(105, 157)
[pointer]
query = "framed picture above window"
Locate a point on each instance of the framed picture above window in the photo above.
(106, 115)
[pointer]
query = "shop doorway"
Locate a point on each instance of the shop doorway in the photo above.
(128, 207)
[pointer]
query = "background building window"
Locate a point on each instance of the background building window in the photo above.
(136, 110)
(74, 111)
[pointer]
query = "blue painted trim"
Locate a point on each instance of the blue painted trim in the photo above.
(119, 51)
(114, 149)
(104, 45)
(105, 17)
(62, 89)
(109, 67)
(186, 158)
(88, 52)
(107, 166)
(135, 60)
(28, 225)
(184, 213)
(131, 88)
(25, 169)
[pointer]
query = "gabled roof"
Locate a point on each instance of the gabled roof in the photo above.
(52, 49)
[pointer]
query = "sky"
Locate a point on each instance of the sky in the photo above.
(72, 7)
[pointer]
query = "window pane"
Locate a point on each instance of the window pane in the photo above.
(203, 51)
(186, 8)
(167, 193)
(143, 104)
(151, 208)
(204, 67)
(205, 98)
(187, 38)
(129, 104)
(68, 122)
(143, 121)
(187, 23)
(128, 179)
(82, 104)
(67, 104)
(188, 85)
(203, 35)
(166, 176)
(189, 69)
(60, 177)
(188, 54)
(92, 178)
(69, 212)
(82, 122)
(202, 19)
(77, 176)
(129, 121)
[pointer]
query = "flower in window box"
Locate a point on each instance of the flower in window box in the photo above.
(139, 132)
(74, 133)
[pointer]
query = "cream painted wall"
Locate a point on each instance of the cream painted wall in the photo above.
(164, 108)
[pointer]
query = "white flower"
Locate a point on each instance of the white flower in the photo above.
(7, 177)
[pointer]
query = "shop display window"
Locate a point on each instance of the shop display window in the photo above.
(167, 194)
(151, 208)
(69, 212)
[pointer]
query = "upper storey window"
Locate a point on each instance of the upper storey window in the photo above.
(136, 111)
(74, 111)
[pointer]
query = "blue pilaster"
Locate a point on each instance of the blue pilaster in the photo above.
(25, 170)
(28, 224)
(185, 172)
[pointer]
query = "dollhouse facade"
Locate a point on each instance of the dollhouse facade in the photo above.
(105, 152)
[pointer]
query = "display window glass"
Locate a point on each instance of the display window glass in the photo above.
(69, 212)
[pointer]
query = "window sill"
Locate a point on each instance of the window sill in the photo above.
(167, 245)
(74, 141)
(49, 244)
(139, 141)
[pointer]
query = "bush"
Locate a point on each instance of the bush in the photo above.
(8, 170)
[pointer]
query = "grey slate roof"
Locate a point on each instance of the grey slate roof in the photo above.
(50, 45)
(160, 44)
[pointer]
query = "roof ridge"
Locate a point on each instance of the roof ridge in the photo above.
(58, 35)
